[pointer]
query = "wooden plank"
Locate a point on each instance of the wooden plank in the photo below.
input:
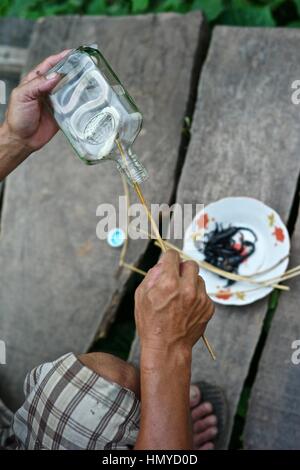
(273, 418)
(57, 282)
(10, 81)
(245, 142)
(15, 32)
(15, 35)
(14, 38)
(12, 59)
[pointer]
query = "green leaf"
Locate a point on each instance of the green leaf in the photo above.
(179, 6)
(211, 8)
(4, 6)
(241, 13)
(243, 403)
(20, 8)
(297, 3)
(273, 4)
(55, 10)
(139, 5)
(96, 7)
(294, 24)
(273, 300)
(119, 8)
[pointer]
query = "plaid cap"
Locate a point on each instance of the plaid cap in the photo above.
(68, 406)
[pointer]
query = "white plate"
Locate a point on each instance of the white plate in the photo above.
(273, 245)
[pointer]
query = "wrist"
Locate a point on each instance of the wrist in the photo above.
(175, 355)
(16, 145)
(12, 150)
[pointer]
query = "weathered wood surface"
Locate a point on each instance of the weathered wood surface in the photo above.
(15, 32)
(10, 81)
(57, 280)
(15, 35)
(14, 38)
(273, 418)
(12, 59)
(245, 142)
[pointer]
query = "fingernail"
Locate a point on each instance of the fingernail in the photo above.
(51, 75)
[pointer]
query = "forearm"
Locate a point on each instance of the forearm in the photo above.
(165, 413)
(12, 151)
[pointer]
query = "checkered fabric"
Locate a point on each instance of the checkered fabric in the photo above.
(68, 406)
(7, 440)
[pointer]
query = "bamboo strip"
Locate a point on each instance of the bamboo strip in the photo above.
(156, 231)
(220, 272)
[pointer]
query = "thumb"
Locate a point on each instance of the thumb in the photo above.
(38, 86)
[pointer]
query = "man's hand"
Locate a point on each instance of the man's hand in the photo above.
(171, 311)
(28, 124)
(171, 304)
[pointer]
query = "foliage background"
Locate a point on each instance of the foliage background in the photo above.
(229, 12)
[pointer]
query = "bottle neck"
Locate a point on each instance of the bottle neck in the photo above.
(129, 165)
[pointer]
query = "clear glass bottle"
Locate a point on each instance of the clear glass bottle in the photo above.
(95, 112)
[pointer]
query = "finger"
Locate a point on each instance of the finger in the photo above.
(189, 269)
(189, 280)
(46, 65)
(170, 263)
(37, 87)
(152, 276)
(201, 284)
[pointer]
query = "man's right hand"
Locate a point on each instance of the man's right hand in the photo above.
(171, 311)
(171, 304)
